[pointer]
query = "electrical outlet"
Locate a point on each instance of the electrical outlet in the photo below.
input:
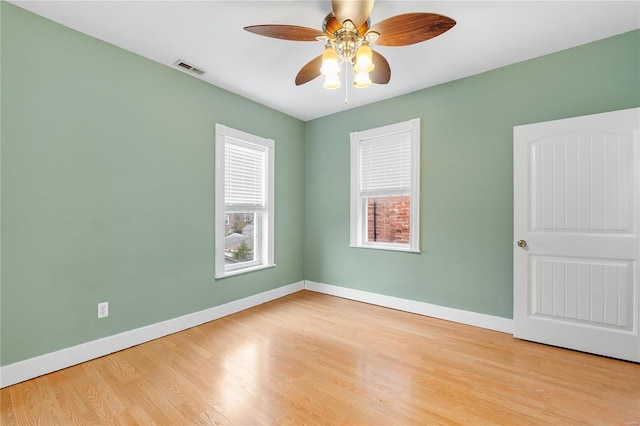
(103, 309)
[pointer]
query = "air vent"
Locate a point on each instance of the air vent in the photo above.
(186, 66)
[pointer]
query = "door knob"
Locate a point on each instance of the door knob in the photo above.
(522, 243)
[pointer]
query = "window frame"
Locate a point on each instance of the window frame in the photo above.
(263, 217)
(358, 213)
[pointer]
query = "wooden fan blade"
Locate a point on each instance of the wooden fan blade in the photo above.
(410, 28)
(285, 32)
(357, 11)
(381, 73)
(331, 25)
(363, 28)
(310, 71)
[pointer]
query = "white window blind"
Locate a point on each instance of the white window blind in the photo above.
(244, 175)
(386, 165)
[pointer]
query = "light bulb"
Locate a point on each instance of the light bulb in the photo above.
(330, 61)
(332, 81)
(364, 59)
(362, 80)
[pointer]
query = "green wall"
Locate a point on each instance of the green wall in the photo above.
(107, 189)
(107, 183)
(466, 174)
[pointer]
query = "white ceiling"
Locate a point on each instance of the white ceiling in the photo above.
(210, 35)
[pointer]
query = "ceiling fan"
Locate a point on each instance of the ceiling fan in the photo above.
(347, 33)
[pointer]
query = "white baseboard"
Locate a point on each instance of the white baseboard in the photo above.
(490, 322)
(47, 363)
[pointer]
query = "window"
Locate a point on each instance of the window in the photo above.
(244, 202)
(385, 175)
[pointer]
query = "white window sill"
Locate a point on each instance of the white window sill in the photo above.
(244, 270)
(388, 248)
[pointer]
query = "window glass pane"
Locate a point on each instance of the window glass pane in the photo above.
(239, 241)
(388, 219)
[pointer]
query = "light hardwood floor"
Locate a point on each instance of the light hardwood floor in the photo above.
(310, 358)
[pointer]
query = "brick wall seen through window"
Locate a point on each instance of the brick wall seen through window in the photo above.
(388, 219)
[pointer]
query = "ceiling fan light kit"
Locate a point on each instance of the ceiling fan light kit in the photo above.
(347, 33)
(347, 47)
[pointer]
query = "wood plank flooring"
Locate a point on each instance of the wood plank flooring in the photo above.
(310, 358)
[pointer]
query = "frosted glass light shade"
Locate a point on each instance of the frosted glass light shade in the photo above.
(364, 59)
(332, 81)
(330, 61)
(362, 80)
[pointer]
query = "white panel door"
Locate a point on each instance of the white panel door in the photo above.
(576, 220)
